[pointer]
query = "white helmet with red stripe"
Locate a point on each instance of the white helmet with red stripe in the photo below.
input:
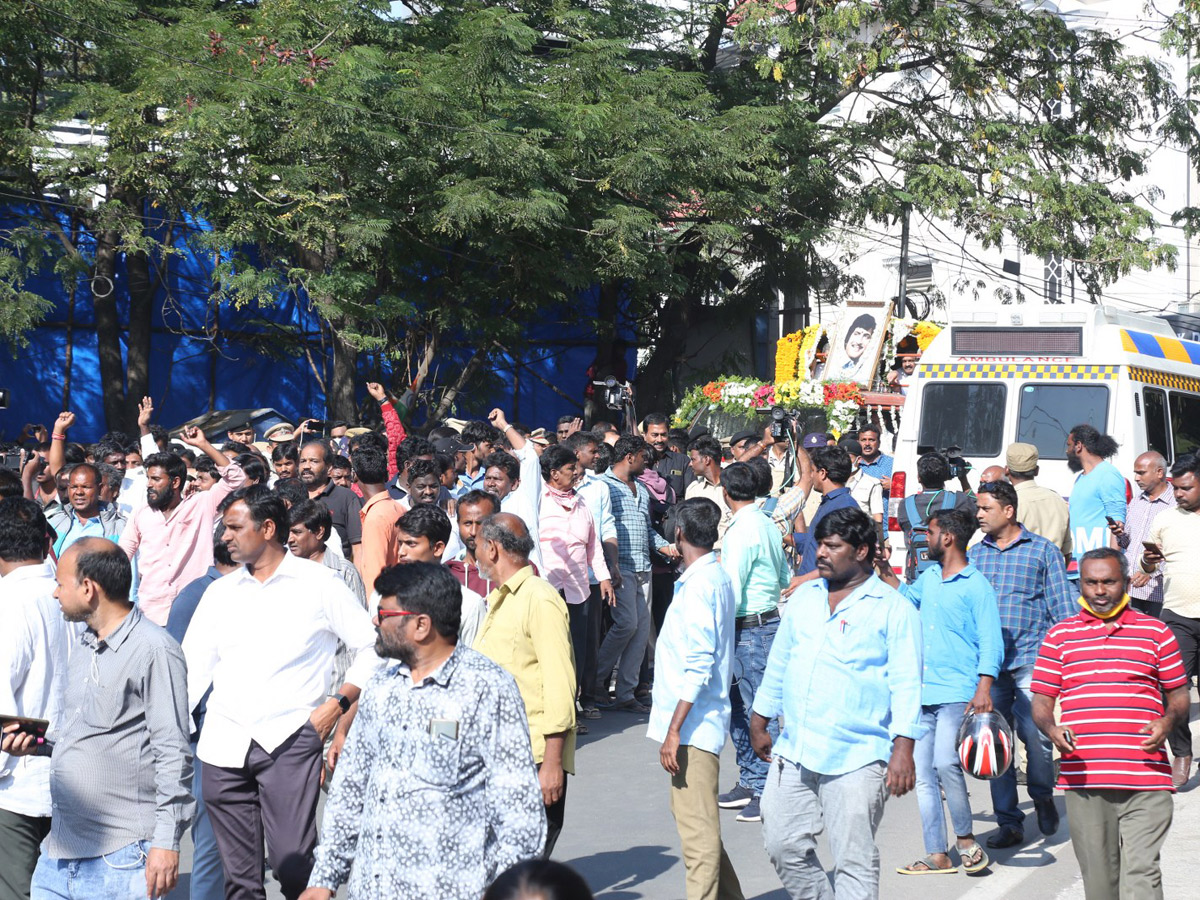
(985, 744)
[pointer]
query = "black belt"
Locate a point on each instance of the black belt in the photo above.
(756, 619)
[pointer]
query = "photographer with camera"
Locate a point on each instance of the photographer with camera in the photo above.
(934, 469)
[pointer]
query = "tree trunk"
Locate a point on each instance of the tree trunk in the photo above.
(656, 379)
(339, 397)
(108, 332)
(141, 315)
(468, 372)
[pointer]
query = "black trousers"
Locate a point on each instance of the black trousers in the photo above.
(555, 813)
(1149, 607)
(20, 838)
(1187, 635)
(586, 623)
(272, 795)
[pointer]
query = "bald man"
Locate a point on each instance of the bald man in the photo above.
(992, 473)
(1150, 473)
(527, 631)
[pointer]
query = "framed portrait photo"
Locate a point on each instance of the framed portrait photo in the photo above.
(856, 343)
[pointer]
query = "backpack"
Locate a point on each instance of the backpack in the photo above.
(918, 559)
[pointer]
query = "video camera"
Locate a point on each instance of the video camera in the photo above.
(958, 465)
(616, 393)
(783, 423)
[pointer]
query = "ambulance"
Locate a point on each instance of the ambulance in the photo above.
(1001, 374)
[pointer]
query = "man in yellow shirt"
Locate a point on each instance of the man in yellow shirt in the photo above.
(527, 632)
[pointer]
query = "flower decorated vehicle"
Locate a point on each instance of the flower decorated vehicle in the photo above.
(731, 403)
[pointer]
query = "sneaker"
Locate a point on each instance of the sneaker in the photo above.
(750, 812)
(737, 798)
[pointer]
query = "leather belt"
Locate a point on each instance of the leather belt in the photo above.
(756, 619)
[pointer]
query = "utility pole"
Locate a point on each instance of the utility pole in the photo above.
(902, 297)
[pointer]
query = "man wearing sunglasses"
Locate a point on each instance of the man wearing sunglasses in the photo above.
(436, 792)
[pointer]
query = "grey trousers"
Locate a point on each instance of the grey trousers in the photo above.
(20, 837)
(1117, 836)
(626, 640)
(272, 795)
(797, 805)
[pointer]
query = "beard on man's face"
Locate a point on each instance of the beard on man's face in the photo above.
(397, 649)
(160, 500)
(1074, 463)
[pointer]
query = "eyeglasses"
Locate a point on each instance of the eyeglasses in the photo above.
(383, 614)
(988, 487)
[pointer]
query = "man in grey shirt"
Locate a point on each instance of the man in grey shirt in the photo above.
(121, 763)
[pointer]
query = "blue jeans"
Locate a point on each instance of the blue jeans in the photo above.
(120, 875)
(936, 759)
(797, 805)
(1012, 699)
(208, 876)
(752, 645)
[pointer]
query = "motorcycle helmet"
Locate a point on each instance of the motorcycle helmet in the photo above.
(985, 744)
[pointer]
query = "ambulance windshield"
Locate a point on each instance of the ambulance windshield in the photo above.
(969, 415)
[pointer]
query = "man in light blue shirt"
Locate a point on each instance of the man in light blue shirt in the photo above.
(845, 674)
(963, 649)
(689, 712)
(1098, 495)
(752, 557)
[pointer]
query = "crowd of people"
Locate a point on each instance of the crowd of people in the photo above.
(202, 638)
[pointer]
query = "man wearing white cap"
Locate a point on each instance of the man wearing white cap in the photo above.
(1039, 509)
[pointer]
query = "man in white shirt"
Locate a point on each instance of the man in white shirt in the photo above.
(421, 535)
(264, 639)
(691, 706)
(34, 644)
(520, 491)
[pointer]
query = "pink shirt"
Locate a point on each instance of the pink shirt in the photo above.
(173, 552)
(570, 544)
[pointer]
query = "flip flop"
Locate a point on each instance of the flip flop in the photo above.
(969, 853)
(926, 866)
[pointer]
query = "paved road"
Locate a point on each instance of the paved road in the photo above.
(620, 835)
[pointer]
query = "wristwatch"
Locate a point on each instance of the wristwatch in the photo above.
(342, 701)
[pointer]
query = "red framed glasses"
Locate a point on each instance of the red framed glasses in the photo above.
(384, 614)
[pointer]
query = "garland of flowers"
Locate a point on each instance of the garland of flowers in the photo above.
(922, 330)
(737, 396)
(794, 352)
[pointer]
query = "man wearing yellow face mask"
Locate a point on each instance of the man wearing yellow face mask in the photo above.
(1111, 666)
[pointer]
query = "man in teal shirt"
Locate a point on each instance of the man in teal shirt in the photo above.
(752, 557)
(85, 515)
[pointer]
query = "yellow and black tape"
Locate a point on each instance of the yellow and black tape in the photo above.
(1164, 379)
(1036, 371)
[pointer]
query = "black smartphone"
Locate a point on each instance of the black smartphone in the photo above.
(1111, 521)
(36, 727)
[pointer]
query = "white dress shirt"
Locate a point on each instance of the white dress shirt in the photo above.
(267, 649)
(35, 642)
(525, 500)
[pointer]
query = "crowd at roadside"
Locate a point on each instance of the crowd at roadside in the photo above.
(423, 623)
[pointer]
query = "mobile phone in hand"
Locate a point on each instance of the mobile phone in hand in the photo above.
(1152, 547)
(35, 727)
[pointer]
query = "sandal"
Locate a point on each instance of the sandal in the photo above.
(974, 858)
(926, 866)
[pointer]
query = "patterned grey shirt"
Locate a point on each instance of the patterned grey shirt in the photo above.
(420, 814)
(122, 764)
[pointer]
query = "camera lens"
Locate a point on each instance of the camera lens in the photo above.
(778, 413)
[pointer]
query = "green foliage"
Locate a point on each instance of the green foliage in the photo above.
(453, 177)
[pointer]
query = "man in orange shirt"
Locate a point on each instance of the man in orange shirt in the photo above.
(379, 515)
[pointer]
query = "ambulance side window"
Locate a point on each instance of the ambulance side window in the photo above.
(1047, 413)
(1158, 434)
(1185, 422)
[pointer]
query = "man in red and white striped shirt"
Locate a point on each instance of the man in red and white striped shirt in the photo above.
(1111, 666)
